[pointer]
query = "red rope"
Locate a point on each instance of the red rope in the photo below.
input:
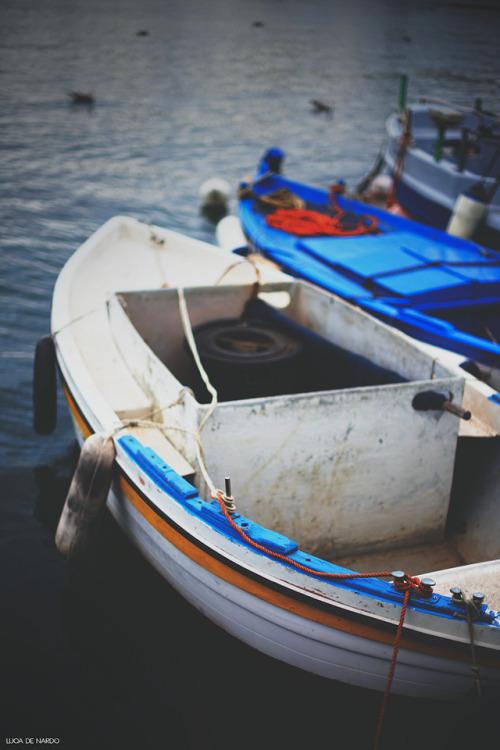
(407, 585)
(392, 668)
(305, 568)
(308, 223)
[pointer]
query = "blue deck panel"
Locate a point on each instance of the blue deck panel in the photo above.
(367, 256)
(486, 275)
(428, 283)
(438, 252)
(296, 263)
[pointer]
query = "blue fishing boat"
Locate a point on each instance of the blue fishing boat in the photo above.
(438, 288)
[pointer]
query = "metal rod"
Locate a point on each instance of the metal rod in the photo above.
(459, 411)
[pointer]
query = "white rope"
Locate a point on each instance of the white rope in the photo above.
(77, 320)
(188, 332)
(200, 454)
(244, 259)
(163, 428)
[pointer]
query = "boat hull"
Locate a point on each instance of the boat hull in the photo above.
(263, 592)
(332, 641)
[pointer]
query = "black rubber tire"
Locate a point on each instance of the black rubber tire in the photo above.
(45, 387)
(246, 358)
(249, 342)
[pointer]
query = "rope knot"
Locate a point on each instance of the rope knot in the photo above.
(225, 498)
(404, 583)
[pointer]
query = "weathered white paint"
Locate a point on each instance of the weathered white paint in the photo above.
(338, 471)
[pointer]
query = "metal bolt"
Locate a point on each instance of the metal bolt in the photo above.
(228, 498)
(398, 576)
(456, 594)
(428, 582)
(478, 599)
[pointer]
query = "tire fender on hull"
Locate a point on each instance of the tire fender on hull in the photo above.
(45, 387)
(86, 496)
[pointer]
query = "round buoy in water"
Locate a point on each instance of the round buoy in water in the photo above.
(214, 197)
(215, 192)
(86, 497)
(45, 387)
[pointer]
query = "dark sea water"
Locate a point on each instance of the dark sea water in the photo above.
(106, 655)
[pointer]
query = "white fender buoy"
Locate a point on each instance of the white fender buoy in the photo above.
(45, 387)
(230, 235)
(215, 195)
(467, 215)
(215, 192)
(86, 496)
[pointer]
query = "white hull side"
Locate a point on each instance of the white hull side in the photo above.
(283, 635)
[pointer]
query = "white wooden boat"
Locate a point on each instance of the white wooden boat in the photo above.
(335, 468)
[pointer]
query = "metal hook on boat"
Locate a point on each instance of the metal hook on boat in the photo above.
(472, 610)
(472, 606)
(153, 236)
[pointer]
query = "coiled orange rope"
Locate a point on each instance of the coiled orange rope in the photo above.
(309, 223)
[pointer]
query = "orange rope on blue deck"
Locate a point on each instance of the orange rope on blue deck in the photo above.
(310, 223)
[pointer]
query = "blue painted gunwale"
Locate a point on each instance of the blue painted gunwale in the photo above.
(181, 491)
(330, 263)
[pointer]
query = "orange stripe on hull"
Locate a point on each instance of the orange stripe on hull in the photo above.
(75, 411)
(309, 612)
(457, 651)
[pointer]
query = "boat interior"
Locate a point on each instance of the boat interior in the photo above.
(315, 419)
